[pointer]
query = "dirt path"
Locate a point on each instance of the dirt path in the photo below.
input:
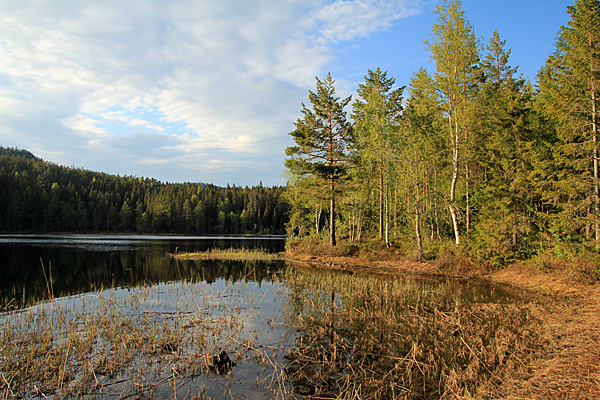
(570, 314)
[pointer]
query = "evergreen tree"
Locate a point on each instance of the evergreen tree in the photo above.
(502, 134)
(570, 89)
(323, 137)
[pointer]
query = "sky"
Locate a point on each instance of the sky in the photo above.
(209, 90)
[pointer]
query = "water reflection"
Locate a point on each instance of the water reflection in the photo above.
(293, 332)
(148, 341)
(370, 337)
(82, 263)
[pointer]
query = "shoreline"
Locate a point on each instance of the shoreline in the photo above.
(569, 367)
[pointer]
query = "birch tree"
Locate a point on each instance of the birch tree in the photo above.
(454, 51)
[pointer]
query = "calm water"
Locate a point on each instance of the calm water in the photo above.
(281, 328)
(82, 263)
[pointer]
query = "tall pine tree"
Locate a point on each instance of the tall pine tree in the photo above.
(323, 138)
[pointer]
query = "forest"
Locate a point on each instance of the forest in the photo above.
(470, 157)
(39, 196)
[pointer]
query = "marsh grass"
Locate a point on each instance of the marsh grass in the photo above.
(154, 341)
(231, 254)
(326, 335)
(380, 338)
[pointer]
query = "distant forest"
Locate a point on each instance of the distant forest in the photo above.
(39, 196)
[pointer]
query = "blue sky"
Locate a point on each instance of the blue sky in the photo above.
(207, 91)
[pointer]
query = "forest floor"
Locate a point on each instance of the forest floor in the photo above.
(568, 367)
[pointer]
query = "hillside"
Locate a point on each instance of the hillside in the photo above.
(40, 196)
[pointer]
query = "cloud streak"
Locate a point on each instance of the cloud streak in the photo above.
(178, 90)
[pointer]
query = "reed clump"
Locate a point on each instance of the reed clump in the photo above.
(377, 338)
(154, 341)
(231, 254)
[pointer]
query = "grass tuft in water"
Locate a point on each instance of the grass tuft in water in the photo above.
(231, 254)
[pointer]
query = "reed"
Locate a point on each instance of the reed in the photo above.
(231, 254)
(380, 338)
(130, 343)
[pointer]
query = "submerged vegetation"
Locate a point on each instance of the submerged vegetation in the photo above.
(157, 341)
(327, 335)
(377, 338)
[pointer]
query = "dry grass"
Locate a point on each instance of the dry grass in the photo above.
(361, 332)
(565, 358)
(231, 254)
(381, 338)
(126, 343)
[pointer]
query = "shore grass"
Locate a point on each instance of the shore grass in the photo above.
(154, 341)
(373, 337)
(356, 334)
(231, 254)
(564, 360)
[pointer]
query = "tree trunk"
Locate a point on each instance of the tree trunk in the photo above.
(332, 212)
(317, 219)
(596, 188)
(418, 232)
(451, 204)
(381, 212)
(435, 206)
(387, 218)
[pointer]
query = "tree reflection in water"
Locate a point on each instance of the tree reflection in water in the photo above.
(369, 337)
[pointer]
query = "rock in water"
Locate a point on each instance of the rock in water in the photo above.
(222, 363)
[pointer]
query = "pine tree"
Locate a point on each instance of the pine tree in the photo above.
(323, 138)
(570, 89)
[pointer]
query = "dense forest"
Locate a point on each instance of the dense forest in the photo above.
(39, 196)
(470, 156)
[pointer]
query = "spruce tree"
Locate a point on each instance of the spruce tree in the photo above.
(323, 138)
(570, 89)
(501, 137)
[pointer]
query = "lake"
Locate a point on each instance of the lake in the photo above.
(114, 316)
(80, 263)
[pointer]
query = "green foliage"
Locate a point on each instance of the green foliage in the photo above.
(476, 154)
(323, 138)
(454, 50)
(377, 113)
(569, 98)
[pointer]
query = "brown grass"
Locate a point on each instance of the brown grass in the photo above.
(395, 338)
(231, 254)
(566, 355)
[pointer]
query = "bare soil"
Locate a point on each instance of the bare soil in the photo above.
(569, 365)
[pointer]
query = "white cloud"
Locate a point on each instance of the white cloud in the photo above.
(85, 81)
(346, 20)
